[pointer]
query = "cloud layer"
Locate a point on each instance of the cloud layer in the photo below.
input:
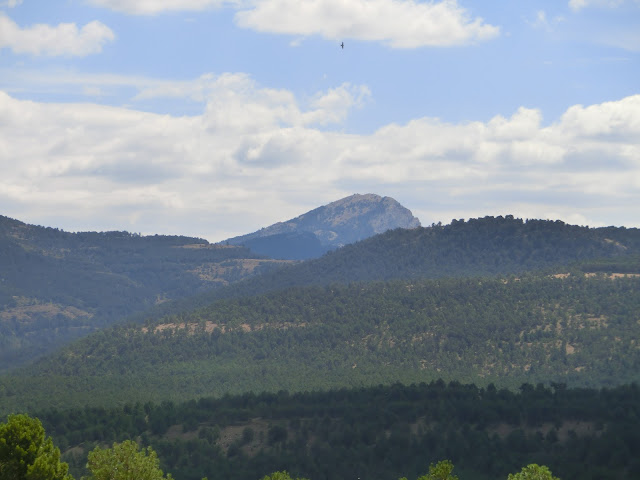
(400, 24)
(153, 7)
(256, 156)
(397, 23)
(577, 5)
(63, 39)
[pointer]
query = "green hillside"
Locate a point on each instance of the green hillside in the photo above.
(56, 286)
(580, 330)
(378, 433)
(486, 246)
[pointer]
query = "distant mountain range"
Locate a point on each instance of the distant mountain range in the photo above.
(328, 227)
(464, 250)
(56, 286)
(493, 301)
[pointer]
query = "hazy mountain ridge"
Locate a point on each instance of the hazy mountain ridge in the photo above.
(60, 287)
(339, 223)
(103, 277)
(57, 285)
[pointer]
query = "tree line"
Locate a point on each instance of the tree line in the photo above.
(374, 432)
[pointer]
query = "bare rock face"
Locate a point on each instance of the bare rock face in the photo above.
(345, 221)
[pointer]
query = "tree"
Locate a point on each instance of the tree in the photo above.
(26, 454)
(533, 472)
(280, 476)
(124, 461)
(440, 471)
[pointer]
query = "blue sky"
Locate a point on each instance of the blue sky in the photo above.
(214, 118)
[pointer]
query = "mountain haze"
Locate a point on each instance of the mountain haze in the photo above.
(56, 286)
(331, 226)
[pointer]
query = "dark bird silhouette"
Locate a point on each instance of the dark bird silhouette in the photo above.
(342, 44)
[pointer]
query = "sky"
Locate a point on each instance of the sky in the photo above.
(214, 118)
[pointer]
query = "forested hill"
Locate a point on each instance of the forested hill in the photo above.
(580, 330)
(56, 285)
(382, 432)
(478, 247)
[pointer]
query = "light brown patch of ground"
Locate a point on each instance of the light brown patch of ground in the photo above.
(218, 272)
(26, 313)
(612, 276)
(209, 327)
(593, 274)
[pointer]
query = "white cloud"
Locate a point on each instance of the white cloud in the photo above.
(258, 106)
(541, 21)
(153, 7)
(10, 3)
(254, 157)
(400, 24)
(334, 105)
(63, 39)
(614, 121)
(577, 5)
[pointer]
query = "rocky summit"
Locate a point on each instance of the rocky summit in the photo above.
(339, 223)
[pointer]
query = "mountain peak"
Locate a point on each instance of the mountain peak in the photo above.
(344, 221)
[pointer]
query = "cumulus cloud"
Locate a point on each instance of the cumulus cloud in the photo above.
(400, 24)
(254, 105)
(63, 39)
(256, 156)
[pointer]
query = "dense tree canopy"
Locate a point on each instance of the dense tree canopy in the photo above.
(533, 472)
(26, 454)
(577, 330)
(124, 461)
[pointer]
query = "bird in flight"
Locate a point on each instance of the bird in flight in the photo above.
(342, 45)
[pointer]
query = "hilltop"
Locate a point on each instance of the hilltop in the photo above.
(328, 227)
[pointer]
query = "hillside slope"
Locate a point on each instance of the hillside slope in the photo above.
(56, 285)
(486, 246)
(578, 330)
